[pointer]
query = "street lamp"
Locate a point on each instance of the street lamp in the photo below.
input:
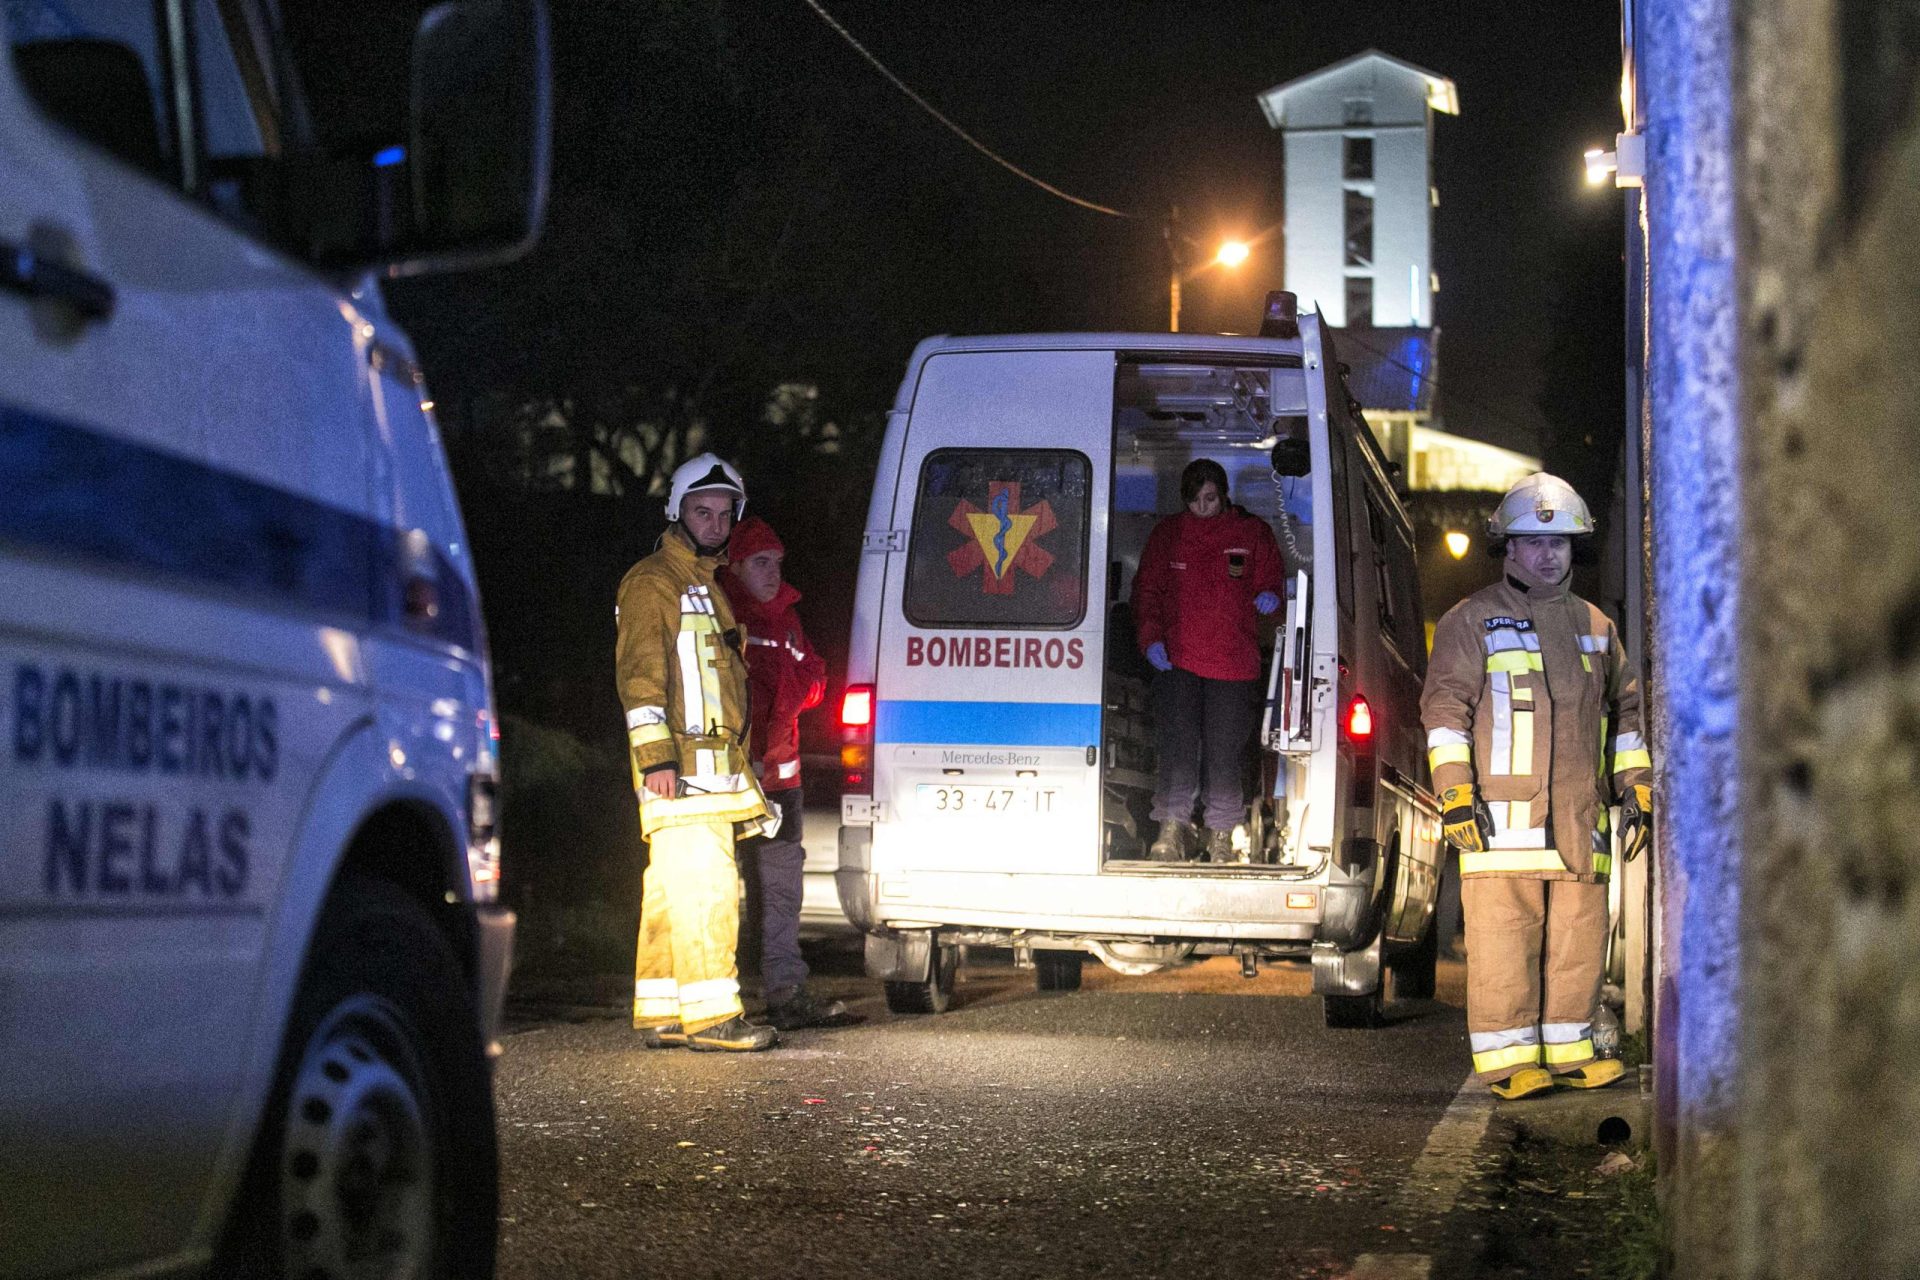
(1231, 254)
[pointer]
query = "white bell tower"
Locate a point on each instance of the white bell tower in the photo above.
(1360, 194)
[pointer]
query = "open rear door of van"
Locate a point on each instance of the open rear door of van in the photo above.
(988, 684)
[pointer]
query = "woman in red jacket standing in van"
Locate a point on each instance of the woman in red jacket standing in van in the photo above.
(1203, 577)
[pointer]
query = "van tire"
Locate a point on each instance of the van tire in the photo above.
(382, 1046)
(1413, 970)
(1057, 970)
(935, 995)
(1355, 1013)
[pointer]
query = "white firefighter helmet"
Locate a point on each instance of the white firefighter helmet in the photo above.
(1540, 503)
(705, 471)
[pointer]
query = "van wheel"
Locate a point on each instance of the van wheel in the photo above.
(1413, 971)
(1354, 1012)
(1057, 970)
(376, 1151)
(935, 995)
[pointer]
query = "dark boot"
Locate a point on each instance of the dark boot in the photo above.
(735, 1035)
(1175, 842)
(1219, 845)
(668, 1035)
(802, 1009)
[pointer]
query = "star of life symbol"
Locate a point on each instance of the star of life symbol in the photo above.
(1001, 539)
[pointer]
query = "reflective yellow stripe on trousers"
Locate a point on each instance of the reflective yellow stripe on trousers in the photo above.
(1518, 1055)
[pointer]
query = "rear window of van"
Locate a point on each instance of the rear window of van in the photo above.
(1000, 539)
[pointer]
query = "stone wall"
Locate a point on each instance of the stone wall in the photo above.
(1783, 237)
(1698, 507)
(1828, 161)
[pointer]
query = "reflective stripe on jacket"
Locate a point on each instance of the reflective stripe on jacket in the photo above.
(683, 684)
(1529, 696)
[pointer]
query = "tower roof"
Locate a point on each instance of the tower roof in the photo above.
(1441, 95)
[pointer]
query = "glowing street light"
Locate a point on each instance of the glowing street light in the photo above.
(1230, 254)
(1457, 544)
(1624, 166)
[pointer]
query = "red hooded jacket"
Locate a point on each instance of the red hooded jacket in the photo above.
(784, 677)
(1195, 588)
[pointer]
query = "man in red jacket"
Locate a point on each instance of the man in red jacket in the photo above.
(784, 677)
(1203, 577)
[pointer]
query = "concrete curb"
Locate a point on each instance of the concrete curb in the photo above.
(1619, 1115)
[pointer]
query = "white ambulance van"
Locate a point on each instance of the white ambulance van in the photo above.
(998, 739)
(251, 958)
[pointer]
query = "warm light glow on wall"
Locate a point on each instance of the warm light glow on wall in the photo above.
(1457, 543)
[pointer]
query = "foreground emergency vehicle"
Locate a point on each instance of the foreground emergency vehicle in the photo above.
(998, 745)
(251, 961)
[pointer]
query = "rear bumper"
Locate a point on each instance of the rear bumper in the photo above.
(1335, 905)
(493, 930)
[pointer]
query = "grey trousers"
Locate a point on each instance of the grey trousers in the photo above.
(773, 868)
(1202, 728)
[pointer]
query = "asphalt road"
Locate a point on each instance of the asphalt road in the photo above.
(1191, 1123)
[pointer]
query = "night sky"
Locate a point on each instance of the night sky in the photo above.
(1140, 104)
(698, 140)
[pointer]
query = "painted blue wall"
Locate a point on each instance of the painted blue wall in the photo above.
(1685, 59)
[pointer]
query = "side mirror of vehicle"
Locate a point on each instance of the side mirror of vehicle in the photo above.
(1291, 456)
(480, 134)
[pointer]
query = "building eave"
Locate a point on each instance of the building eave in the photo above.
(1442, 94)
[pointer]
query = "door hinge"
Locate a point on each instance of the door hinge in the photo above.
(860, 811)
(884, 540)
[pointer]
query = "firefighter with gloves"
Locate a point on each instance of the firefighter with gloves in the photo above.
(786, 677)
(1204, 575)
(682, 673)
(1534, 724)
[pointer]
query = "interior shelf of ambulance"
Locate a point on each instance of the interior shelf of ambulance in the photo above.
(1167, 413)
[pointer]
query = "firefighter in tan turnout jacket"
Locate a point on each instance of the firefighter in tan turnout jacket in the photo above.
(683, 682)
(1533, 729)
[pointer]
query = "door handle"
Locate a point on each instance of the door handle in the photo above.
(25, 271)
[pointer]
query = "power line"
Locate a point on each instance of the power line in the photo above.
(962, 134)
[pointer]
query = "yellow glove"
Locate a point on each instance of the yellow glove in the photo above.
(1464, 819)
(1636, 821)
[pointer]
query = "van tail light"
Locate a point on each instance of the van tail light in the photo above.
(1358, 723)
(856, 740)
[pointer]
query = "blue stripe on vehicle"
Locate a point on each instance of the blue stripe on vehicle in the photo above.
(74, 491)
(989, 724)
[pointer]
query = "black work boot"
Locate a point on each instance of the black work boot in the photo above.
(1175, 842)
(1219, 845)
(735, 1035)
(668, 1035)
(803, 1009)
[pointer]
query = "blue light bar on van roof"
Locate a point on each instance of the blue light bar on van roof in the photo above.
(1282, 317)
(389, 156)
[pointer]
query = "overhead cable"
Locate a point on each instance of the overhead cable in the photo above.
(962, 134)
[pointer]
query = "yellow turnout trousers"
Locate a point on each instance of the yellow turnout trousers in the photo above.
(683, 968)
(1535, 954)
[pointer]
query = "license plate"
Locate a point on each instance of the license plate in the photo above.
(973, 798)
